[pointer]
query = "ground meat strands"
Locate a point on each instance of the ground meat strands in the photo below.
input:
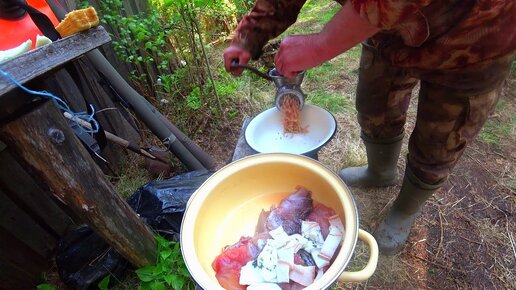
(291, 115)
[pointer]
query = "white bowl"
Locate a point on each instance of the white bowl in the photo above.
(265, 131)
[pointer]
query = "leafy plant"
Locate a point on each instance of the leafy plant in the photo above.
(104, 283)
(170, 270)
(45, 286)
(142, 41)
(165, 48)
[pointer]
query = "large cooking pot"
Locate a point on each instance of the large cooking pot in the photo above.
(228, 204)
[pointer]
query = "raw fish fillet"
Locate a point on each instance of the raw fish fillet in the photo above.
(321, 214)
(289, 214)
(291, 211)
(227, 265)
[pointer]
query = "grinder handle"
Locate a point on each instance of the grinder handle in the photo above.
(236, 64)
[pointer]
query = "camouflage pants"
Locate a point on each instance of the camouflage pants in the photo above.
(453, 106)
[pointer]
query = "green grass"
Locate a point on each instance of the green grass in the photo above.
(495, 131)
(354, 52)
(335, 103)
(328, 71)
(127, 183)
(501, 129)
(314, 15)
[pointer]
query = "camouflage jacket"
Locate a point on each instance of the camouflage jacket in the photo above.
(420, 34)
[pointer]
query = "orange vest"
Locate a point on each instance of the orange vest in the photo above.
(15, 32)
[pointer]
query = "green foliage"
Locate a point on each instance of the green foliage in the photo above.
(104, 283)
(142, 42)
(163, 48)
(193, 100)
(227, 85)
(83, 4)
(499, 130)
(355, 52)
(170, 270)
(45, 283)
(45, 286)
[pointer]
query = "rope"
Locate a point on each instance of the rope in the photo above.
(60, 104)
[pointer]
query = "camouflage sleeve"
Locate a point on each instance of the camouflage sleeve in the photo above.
(404, 17)
(267, 19)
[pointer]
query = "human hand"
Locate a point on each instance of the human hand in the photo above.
(297, 53)
(235, 53)
(300, 52)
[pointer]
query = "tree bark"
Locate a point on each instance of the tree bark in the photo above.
(47, 148)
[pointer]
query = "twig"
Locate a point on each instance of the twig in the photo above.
(475, 242)
(511, 239)
(451, 188)
(458, 201)
(440, 265)
(492, 174)
(407, 264)
(441, 233)
(387, 204)
(196, 26)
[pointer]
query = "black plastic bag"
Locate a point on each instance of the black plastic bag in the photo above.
(83, 258)
(161, 203)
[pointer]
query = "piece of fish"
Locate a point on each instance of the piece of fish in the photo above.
(288, 214)
(321, 215)
(227, 265)
(291, 211)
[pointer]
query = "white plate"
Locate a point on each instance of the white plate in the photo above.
(265, 132)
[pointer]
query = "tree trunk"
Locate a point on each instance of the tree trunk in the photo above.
(47, 147)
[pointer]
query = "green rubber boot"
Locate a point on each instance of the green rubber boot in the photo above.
(394, 230)
(382, 158)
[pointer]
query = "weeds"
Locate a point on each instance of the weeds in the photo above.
(45, 286)
(170, 271)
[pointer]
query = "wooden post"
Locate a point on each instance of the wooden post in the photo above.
(47, 147)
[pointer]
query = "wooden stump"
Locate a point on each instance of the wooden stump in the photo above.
(47, 148)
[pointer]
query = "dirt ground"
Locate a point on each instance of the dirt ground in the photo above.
(465, 237)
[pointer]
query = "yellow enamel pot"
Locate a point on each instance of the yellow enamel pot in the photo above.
(228, 204)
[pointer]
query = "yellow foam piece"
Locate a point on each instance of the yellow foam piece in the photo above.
(77, 21)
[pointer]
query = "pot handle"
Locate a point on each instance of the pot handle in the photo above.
(369, 269)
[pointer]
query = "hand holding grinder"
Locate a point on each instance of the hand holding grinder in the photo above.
(284, 86)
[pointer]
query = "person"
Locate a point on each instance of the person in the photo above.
(460, 51)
